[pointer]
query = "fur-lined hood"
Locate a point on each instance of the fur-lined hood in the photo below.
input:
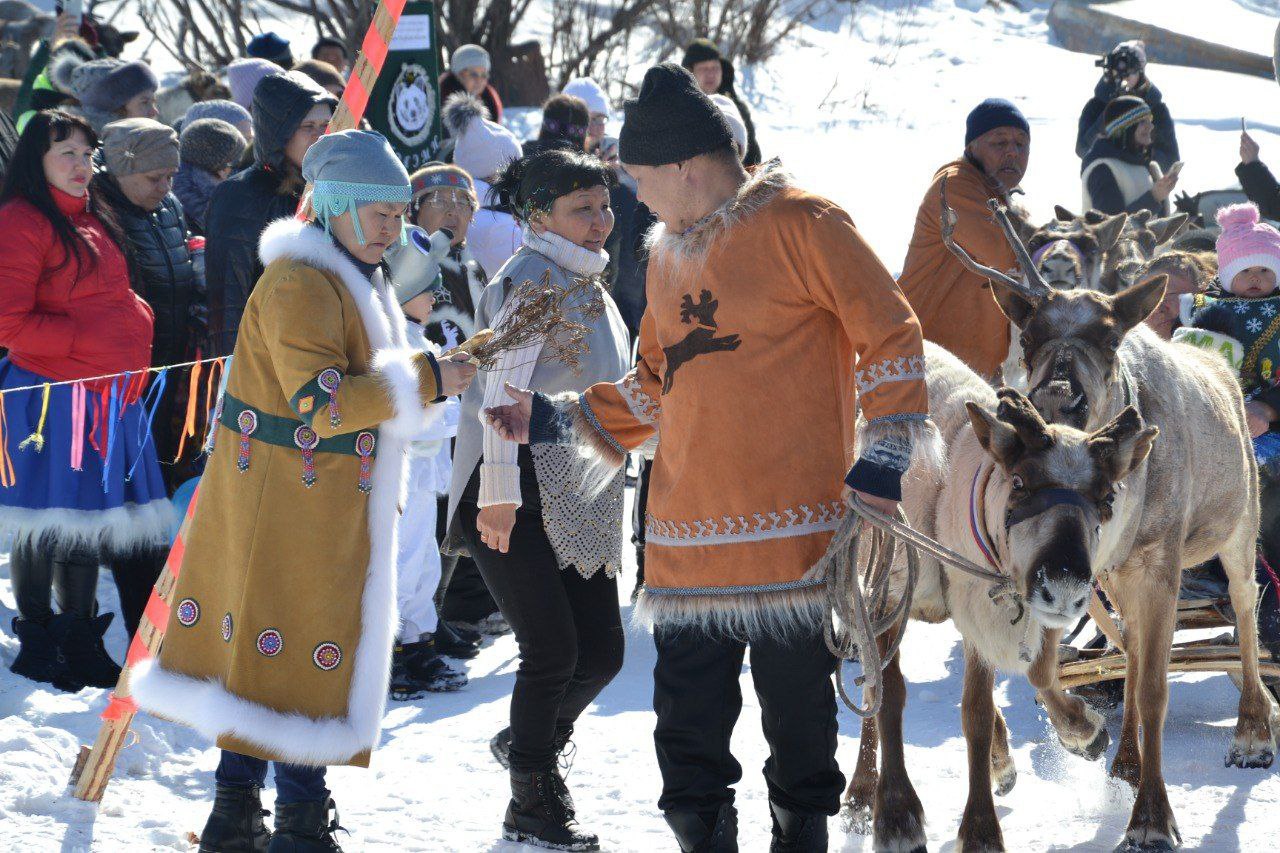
(692, 245)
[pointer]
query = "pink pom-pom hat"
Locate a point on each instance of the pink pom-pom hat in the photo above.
(1245, 242)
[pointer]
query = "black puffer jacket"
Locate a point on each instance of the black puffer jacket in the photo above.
(160, 264)
(246, 203)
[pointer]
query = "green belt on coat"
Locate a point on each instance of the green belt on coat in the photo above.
(283, 432)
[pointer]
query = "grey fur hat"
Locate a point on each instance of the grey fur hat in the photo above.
(66, 58)
(120, 83)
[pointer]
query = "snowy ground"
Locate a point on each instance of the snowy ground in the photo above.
(864, 110)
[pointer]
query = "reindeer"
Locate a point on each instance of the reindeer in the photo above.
(1040, 501)
(1068, 252)
(1123, 263)
(1090, 361)
(701, 340)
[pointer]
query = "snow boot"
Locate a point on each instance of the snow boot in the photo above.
(465, 633)
(432, 671)
(306, 828)
(709, 832)
(500, 746)
(81, 641)
(404, 685)
(235, 824)
(541, 813)
(39, 656)
(452, 643)
(494, 625)
(797, 832)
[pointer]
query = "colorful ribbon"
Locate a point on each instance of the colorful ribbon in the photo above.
(8, 478)
(150, 403)
(113, 415)
(37, 437)
(79, 397)
(189, 425)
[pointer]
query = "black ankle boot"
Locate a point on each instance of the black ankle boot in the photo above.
(235, 824)
(39, 656)
(797, 832)
(81, 641)
(710, 832)
(541, 813)
(306, 828)
(452, 644)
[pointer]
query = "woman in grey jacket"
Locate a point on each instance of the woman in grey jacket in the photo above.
(549, 554)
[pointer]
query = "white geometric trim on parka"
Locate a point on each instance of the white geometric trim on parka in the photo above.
(822, 517)
(644, 408)
(901, 369)
(206, 705)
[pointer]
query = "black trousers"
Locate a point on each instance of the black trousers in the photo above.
(568, 629)
(40, 571)
(697, 698)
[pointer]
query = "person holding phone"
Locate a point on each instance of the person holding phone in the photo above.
(1259, 185)
(1119, 173)
(1124, 72)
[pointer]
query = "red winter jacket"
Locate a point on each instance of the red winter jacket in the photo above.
(82, 320)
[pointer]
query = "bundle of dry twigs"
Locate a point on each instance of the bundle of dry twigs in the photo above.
(557, 318)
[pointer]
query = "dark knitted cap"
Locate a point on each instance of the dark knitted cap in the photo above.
(272, 47)
(211, 144)
(991, 114)
(671, 121)
(700, 50)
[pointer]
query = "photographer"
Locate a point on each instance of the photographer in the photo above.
(1124, 73)
(1256, 179)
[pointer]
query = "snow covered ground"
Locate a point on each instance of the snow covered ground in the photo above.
(864, 110)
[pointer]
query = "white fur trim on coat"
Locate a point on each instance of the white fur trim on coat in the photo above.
(207, 705)
(116, 531)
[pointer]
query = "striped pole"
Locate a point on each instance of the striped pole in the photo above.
(95, 764)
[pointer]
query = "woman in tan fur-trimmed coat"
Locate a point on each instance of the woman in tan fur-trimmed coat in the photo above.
(280, 636)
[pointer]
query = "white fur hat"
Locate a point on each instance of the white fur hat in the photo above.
(483, 148)
(736, 125)
(588, 90)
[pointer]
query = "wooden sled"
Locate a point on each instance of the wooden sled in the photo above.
(1079, 667)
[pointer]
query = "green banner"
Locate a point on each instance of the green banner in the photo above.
(405, 103)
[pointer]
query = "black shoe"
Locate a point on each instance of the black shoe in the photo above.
(235, 824)
(797, 832)
(451, 644)
(404, 685)
(541, 814)
(430, 670)
(39, 656)
(712, 832)
(306, 828)
(500, 746)
(81, 641)
(465, 633)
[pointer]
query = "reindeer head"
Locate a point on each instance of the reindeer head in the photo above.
(1069, 251)
(1058, 486)
(1122, 265)
(1070, 338)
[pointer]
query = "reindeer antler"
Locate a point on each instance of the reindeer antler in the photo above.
(949, 219)
(1018, 412)
(1029, 268)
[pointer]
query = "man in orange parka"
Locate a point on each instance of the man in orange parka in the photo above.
(770, 325)
(955, 306)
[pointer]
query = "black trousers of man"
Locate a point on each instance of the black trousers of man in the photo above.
(697, 697)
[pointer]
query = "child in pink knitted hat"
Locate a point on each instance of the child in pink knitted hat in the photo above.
(1245, 325)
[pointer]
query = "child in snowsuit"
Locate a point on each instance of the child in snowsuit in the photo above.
(416, 663)
(1245, 327)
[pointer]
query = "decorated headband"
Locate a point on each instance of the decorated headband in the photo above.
(1127, 120)
(334, 198)
(442, 178)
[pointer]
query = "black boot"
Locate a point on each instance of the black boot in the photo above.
(453, 644)
(404, 685)
(235, 824)
(306, 828)
(500, 746)
(81, 641)
(797, 832)
(39, 656)
(467, 635)
(711, 832)
(541, 813)
(431, 670)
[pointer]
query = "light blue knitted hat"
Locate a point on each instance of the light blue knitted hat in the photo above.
(352, 168)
